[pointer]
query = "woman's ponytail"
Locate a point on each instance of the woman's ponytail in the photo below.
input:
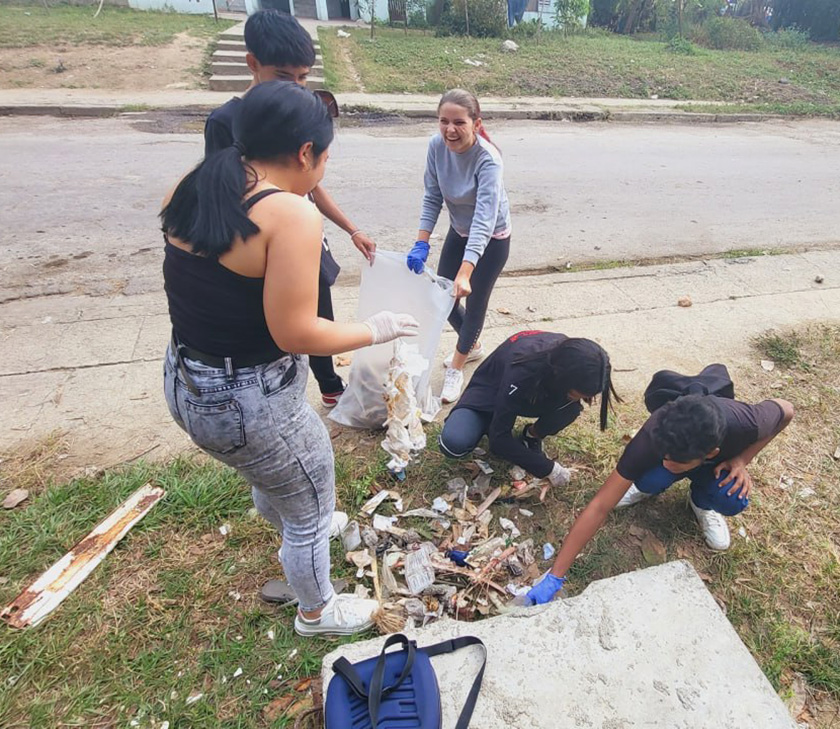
(206, 208)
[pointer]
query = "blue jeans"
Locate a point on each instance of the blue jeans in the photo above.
(257, 420)
(462, 431)
(706, 491)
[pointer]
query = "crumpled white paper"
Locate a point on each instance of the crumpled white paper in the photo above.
(405, 436)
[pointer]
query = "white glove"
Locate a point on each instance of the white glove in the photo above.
(559, 476)
(386, 325)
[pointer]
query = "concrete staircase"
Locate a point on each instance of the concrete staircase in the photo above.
(230, 72)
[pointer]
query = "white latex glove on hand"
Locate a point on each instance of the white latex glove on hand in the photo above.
(386, 326)
(559, 476)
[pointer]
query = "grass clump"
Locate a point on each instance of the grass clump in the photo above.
(68, 25)
(783, 349)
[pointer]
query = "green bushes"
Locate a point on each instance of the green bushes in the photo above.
(481, 19)
(790, 39)
(681, 46)
(730, 34)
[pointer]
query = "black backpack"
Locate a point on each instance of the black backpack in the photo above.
(667, 385)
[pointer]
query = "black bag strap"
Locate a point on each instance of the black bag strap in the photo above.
(376, 692)
(450, 646)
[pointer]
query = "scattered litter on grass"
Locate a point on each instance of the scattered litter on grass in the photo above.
(451, 556)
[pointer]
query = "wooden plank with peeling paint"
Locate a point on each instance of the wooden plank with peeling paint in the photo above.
(38, 601)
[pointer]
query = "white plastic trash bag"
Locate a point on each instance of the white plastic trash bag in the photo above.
(388, 285)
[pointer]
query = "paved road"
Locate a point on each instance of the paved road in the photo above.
(79, 197)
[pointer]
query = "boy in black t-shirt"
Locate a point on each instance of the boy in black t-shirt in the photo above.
(707, 439)
(280, 48)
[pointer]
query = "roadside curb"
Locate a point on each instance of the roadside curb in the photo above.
(587, 114)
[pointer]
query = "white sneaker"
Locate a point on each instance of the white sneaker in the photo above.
(476, 353)
(713, 526)
(342, 615)
(453, 383)
(633, 496)
(339, 521)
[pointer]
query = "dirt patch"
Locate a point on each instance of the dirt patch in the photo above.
(346, 60)
(177, 65)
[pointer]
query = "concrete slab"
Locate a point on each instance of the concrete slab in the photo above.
(649, 649)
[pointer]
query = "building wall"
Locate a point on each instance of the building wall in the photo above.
(363, 10)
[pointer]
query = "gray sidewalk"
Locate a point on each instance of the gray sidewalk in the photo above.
(97, 102)
(91, 366)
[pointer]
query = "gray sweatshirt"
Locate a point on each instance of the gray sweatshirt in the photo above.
(471, 185)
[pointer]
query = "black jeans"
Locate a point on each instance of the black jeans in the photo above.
(322, 367)
(468, 319)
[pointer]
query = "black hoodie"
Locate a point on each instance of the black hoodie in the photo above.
(508, 387)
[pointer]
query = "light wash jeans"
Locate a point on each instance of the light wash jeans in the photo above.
(257, 420)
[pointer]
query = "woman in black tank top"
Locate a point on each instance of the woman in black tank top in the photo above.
(241, 277)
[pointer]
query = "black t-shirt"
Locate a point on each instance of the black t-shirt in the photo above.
(218, 129)
(508, 388)
(745, 424)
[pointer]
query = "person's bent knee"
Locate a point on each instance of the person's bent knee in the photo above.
(452, 448)
(722, 501)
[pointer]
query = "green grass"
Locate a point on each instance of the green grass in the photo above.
(783, 349)
(585, 65)
(65, 25)
(156, 622)
(797, 108)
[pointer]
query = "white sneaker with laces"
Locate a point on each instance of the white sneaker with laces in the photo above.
(453, 383)
(713, 526)
(632, 496)
(342, 615)
(476, 353)
(339, 521)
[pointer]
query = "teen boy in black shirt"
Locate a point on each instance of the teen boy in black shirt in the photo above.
(279, 48)
(708, 439)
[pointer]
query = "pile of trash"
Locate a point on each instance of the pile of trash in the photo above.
(452, 558)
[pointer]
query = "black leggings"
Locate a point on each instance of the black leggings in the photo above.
(468, 319)
(322, 367)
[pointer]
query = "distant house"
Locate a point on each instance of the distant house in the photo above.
(385, 10)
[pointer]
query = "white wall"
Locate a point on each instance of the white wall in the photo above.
(380, 10)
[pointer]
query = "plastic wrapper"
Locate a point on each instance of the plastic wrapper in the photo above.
(389, 285)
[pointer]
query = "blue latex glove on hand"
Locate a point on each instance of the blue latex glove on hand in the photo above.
(417, 256)
(546, 589)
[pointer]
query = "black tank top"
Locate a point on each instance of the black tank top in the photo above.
(213, 309)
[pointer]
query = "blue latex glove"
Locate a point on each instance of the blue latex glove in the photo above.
(545, 590)
(417, 256)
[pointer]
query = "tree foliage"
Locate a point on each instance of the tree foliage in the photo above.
(571, 14)
(820, 18)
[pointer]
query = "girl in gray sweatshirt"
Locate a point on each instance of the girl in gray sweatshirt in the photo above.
(464, 170)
